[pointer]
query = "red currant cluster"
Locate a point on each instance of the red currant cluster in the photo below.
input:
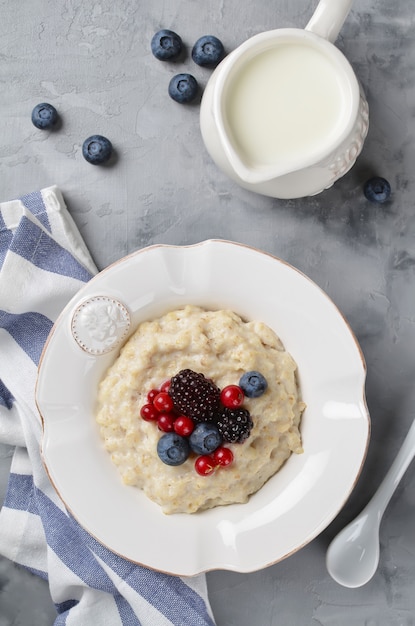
(161, 410)
(207, 463)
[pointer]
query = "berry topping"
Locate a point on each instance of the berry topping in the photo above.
(184, 425)
(197, 417)
(183, 88)
(232, 396)
(208, 51)
(165, 422)
(166, 45)
(377, 189)
(149, 413)
(173, 449)
(253, 384)
(205, 438)
(205, 465)
(194, 395)
(44, 116)
(223, 456)
(97, 149)
(163, 402)
(235, 425)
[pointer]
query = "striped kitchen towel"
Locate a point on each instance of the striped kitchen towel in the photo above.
(43, 262)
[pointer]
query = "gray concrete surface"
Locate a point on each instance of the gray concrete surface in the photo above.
(92, 60)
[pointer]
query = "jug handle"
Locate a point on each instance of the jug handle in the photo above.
(328, 18)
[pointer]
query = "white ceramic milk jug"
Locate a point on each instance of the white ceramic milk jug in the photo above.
(284, 114)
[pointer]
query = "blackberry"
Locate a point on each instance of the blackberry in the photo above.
(194, 395)
(234, 425)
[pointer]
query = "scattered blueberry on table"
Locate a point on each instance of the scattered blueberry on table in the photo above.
(183, 88)
(166, 45)
(97, 149)
(208, 51)
(44, 116)
(377, 189)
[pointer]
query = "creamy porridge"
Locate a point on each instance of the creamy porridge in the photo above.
(223, 347)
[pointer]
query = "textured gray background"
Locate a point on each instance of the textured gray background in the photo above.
(92, 60)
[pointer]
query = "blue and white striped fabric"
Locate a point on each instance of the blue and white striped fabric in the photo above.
(43, 262)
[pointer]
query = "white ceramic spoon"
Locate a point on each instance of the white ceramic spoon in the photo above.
(353, 555)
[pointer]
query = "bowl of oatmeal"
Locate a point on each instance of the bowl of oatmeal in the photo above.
(200, 353)
(220, 308)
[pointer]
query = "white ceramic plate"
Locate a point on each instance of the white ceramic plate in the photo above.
(299, 501)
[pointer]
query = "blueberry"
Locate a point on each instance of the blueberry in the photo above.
(253, 384)
(183, 88)
(173, 449)
(44, 116)
(377, 189)
(205, 438)
(166, 45)
(208, 51)
(97, 149)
